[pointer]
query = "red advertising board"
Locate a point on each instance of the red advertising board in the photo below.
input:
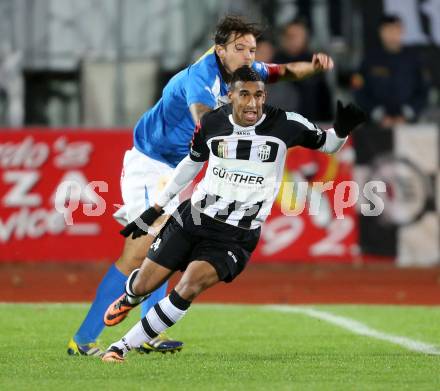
(38, 167)
(33, 163)
(327, 228)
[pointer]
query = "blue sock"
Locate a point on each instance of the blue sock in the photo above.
(155, 297)
(112, 286)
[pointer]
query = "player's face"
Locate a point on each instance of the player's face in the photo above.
(247, 102)
(238, 51)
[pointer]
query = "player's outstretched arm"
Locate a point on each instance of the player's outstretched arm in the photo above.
(309, 135)
(321, 62)
(347, 119)
(183, 175)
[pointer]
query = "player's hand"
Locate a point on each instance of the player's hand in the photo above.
(322, 62)
(347, 118)
(139, 227)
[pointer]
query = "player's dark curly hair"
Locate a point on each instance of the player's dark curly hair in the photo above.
(244, 73)
(234, 24)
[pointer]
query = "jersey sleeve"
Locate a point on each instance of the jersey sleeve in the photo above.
(199, 89)
(270, 73)
(199, 150)
(302, 132)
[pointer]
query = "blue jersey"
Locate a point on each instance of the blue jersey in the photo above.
(165, 131)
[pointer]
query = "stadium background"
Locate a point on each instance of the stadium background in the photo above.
(74, 78)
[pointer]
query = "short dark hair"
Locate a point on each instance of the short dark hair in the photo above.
(244, 74)
(234, 24)
(389, 19)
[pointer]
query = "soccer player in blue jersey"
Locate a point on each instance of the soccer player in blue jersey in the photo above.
(161, 140)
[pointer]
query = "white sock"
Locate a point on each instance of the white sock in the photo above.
(134, 338)
(159, 318)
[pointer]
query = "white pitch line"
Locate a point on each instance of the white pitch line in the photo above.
(359, 328)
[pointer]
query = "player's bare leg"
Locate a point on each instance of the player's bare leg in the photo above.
(133, 254)
(84, 341)
(199, 276)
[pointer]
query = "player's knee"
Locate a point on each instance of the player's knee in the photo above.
(189, 290)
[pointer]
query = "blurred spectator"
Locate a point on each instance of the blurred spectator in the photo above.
(265, 49)
(310, 97)
(390, 85)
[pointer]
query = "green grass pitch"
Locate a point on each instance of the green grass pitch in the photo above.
(227, 347)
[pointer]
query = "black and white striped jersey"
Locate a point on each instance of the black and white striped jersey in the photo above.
(246, 164)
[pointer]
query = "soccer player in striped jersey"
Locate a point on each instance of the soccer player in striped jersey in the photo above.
(161, 140)
(211, 236)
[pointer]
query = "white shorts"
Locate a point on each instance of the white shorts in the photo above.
(142, 179)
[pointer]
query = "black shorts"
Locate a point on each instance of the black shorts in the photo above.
(225, 247)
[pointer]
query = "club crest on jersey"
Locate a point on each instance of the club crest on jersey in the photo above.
(263, 152)
(222, 149)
